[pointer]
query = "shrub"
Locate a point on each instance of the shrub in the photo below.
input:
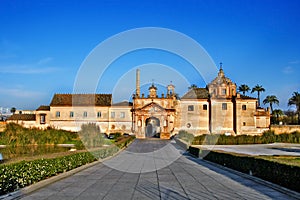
(265, 138)
(184, 135)
(16, 135)
(285, 175)
(19, 175)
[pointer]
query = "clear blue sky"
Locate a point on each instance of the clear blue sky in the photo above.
(43, 43)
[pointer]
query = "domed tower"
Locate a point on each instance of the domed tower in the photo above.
(221, 86)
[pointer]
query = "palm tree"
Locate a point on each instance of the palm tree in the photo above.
(193, 86)
(13, 110)
(277, 113)
(271, 99)
(244, 88)
(258, 89)
(295, 100)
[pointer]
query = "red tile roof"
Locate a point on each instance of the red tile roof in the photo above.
(23, 117)
(81, 100)
(43, 107)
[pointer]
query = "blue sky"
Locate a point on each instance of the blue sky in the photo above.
(43, 44)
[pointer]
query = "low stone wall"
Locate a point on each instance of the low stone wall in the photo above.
(279, 129)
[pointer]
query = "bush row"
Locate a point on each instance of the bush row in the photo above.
(16, 135)
(19, 175)
(285, 175)
(265, 138)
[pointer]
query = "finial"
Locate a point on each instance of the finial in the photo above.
(221, 65)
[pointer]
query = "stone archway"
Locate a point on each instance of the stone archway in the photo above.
(152, 127)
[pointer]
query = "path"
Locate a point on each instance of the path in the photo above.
(184, 178)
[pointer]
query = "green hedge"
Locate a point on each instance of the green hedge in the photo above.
(265, 138)
(18, 175)
(285, 175)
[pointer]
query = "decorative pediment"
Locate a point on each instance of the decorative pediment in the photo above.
(152, 107)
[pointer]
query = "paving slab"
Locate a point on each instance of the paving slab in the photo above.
(184, 178)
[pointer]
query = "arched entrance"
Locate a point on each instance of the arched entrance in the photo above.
(152, 127)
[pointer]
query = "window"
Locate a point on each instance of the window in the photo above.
(42, 119)
(84, 114)
(191, 108)
(244, 123)
(204, 107)
(224, 106)
(223, 91)
(57, 114)
(71, 114)
(98, 114)
(188, 125)
(122, 115)
(112, 114)
(244, 107)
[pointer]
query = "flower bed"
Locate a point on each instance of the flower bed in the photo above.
(19, 175)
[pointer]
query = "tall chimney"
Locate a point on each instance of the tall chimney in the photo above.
(138, 91)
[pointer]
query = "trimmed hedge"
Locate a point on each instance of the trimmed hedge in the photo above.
(265, 138)
(19, 175)
(285, 175)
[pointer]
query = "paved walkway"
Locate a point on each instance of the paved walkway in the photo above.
(184, 178)
(258, 149)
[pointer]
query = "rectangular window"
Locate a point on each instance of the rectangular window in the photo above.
(224, 106)
(98, 114)
(223, 91)
(42, 119)
(71, 114)
(204, 107)
(122, 115)
(112, 114)
(244, 107)
(191, 108)
(57, 114)
(84, 114)
(244, 123)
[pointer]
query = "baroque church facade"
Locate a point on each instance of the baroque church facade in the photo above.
(216, 109)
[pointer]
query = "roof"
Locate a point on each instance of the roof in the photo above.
(81, 100)
(123, 103)
(23, 117)
(43, 107)
(196, 93)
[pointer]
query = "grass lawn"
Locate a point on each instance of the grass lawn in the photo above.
(288, 160)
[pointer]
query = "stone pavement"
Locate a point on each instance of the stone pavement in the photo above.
(184, 178)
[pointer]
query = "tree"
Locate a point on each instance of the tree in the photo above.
(277, 113)
(244, 88)
(271, 99)
(258, 89)
(193, 86)
(13, 110)
(295, 100)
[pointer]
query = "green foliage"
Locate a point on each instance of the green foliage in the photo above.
(184, 135)
(281, 174)
(19, 175)
(265, 138)
(16, 135)
(91, 135)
